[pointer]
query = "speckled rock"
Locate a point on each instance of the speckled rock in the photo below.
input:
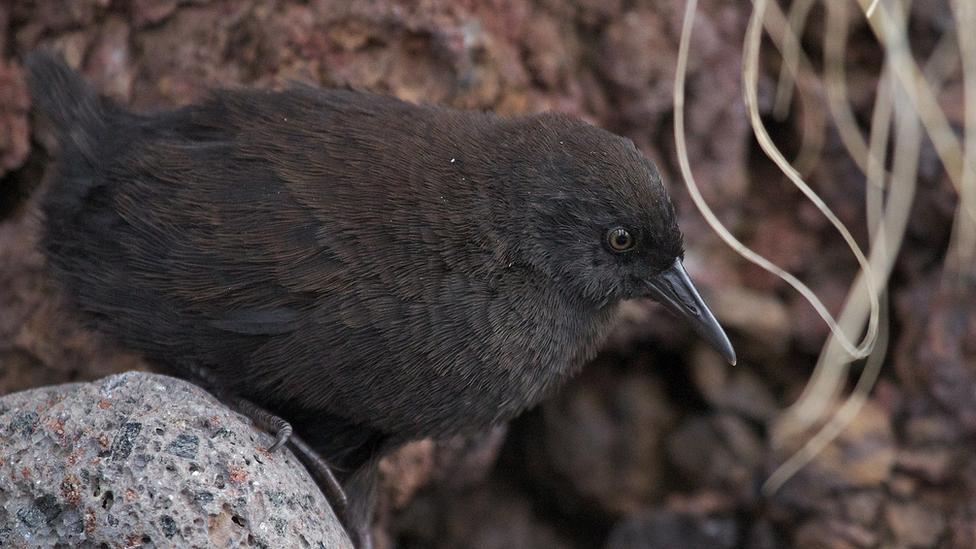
(145, 460)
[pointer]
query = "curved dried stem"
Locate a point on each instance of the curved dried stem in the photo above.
(963, 245)
(906, 96)
(750, 91)
(887, 26)
(797, 68)
(887, 223)
(751, 83)
(791, 52)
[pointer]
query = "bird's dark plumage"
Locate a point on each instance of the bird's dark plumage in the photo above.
(371, 270)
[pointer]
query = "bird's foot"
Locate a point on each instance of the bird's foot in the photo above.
(261, 418)
(322, 474)
(314, 464)
(264, 419)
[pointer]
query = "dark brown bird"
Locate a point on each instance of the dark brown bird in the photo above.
(370, 270)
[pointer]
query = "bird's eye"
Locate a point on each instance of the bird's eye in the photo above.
(620, 239)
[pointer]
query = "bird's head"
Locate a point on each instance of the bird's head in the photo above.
(596, 218)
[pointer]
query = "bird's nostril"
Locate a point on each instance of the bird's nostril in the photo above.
(683, 298)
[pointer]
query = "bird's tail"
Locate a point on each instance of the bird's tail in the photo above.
(80, 119)
(72, 106)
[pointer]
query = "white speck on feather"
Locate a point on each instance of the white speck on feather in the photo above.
(452, 160)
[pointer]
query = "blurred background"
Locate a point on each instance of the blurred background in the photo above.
(658, 444)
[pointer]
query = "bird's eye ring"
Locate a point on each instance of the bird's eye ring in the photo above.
(620, 239)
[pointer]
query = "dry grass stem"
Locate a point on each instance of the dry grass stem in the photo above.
(906, 102)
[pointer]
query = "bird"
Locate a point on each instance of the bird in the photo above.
(366, 270)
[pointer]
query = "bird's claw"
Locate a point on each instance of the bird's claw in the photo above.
(282, 435)
(322, 474)
(264, 419)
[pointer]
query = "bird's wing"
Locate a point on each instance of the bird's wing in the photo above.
(255, 321)
(227, 235)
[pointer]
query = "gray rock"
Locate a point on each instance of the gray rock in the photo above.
(144, 460)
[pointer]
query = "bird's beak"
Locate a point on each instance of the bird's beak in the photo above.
(674, 289)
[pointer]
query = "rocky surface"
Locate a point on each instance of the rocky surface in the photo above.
(144, 460)
(658, 442)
